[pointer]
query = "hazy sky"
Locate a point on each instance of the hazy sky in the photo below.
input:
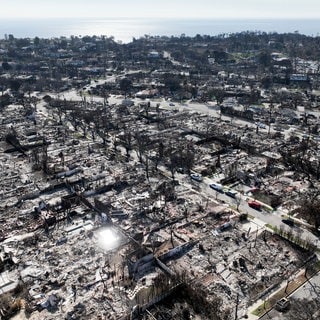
(161, 8)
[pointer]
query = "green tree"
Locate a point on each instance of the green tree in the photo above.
(219, 95)
(125, 85)
(15, 85)
(264, 58)
(310, 207)
(6, 66)
(172, 83)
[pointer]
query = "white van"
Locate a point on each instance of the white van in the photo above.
(216, 186)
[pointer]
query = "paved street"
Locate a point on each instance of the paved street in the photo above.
(262, 217)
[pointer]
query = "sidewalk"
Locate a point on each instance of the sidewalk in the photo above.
(284, 290)
(261, 302)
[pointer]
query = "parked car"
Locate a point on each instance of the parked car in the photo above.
(225, 226)
(261, 125)
(288, 222)
(182, 170)
(196, 176)
(231, 193)
(216, 186)
(282, 304)
(254, 204)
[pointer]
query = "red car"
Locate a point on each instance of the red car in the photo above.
(254, 204)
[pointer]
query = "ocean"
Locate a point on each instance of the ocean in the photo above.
(124, 29)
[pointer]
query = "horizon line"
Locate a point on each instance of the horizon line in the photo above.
(161, 18)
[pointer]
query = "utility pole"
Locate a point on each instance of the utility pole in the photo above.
(271, 106)
(255, 240)
(285, 290)
(236, 312)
